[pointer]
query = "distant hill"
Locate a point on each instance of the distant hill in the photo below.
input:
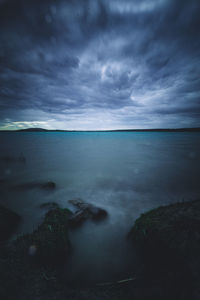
(41, 130)
(33, 129)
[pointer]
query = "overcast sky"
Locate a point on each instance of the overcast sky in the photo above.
(99, 64)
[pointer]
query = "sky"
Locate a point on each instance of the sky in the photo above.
(99, 64)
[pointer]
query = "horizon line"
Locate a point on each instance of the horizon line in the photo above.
(99, 130)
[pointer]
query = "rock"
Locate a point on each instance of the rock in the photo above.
(12, 159)
(8, 222)
(8, 159)
(168, 238)
(49, 185)
(35, 262)
(49, 243)
(169, 226)
(49, 205)
(79, 203)
(77, 218)
(85, 211)
(98, 213)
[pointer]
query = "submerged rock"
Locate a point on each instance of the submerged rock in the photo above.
(49, 185)
(12, 159)
(85, 211)
(8, 222)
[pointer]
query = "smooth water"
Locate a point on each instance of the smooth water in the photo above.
(127, 173)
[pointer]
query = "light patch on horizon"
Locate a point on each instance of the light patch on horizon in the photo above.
(9, 125)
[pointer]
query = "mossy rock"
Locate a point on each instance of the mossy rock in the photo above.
(8, 222)
(175, 226)
(33, 263)
(49, 244)
(169, 237)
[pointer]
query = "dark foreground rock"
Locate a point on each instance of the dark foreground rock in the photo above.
(8, 222)
(169, 240)
(85, 211)
(35, 257)
(32, 266)
(49, 244)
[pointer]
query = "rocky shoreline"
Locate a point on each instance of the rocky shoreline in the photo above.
(167, 239)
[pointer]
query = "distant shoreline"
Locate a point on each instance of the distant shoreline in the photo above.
(197, 129)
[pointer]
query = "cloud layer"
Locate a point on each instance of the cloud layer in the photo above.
(97, 64)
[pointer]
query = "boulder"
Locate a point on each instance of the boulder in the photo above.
(8, 222)
(85, 211)
(49, 243)
(176, 226)
(98, 213)
(33, 264)
(168, 238)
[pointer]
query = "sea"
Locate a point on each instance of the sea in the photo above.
(125, 173)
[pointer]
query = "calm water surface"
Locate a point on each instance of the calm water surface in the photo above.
(126, 173)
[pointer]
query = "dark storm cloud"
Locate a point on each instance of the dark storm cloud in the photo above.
(100, 64)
